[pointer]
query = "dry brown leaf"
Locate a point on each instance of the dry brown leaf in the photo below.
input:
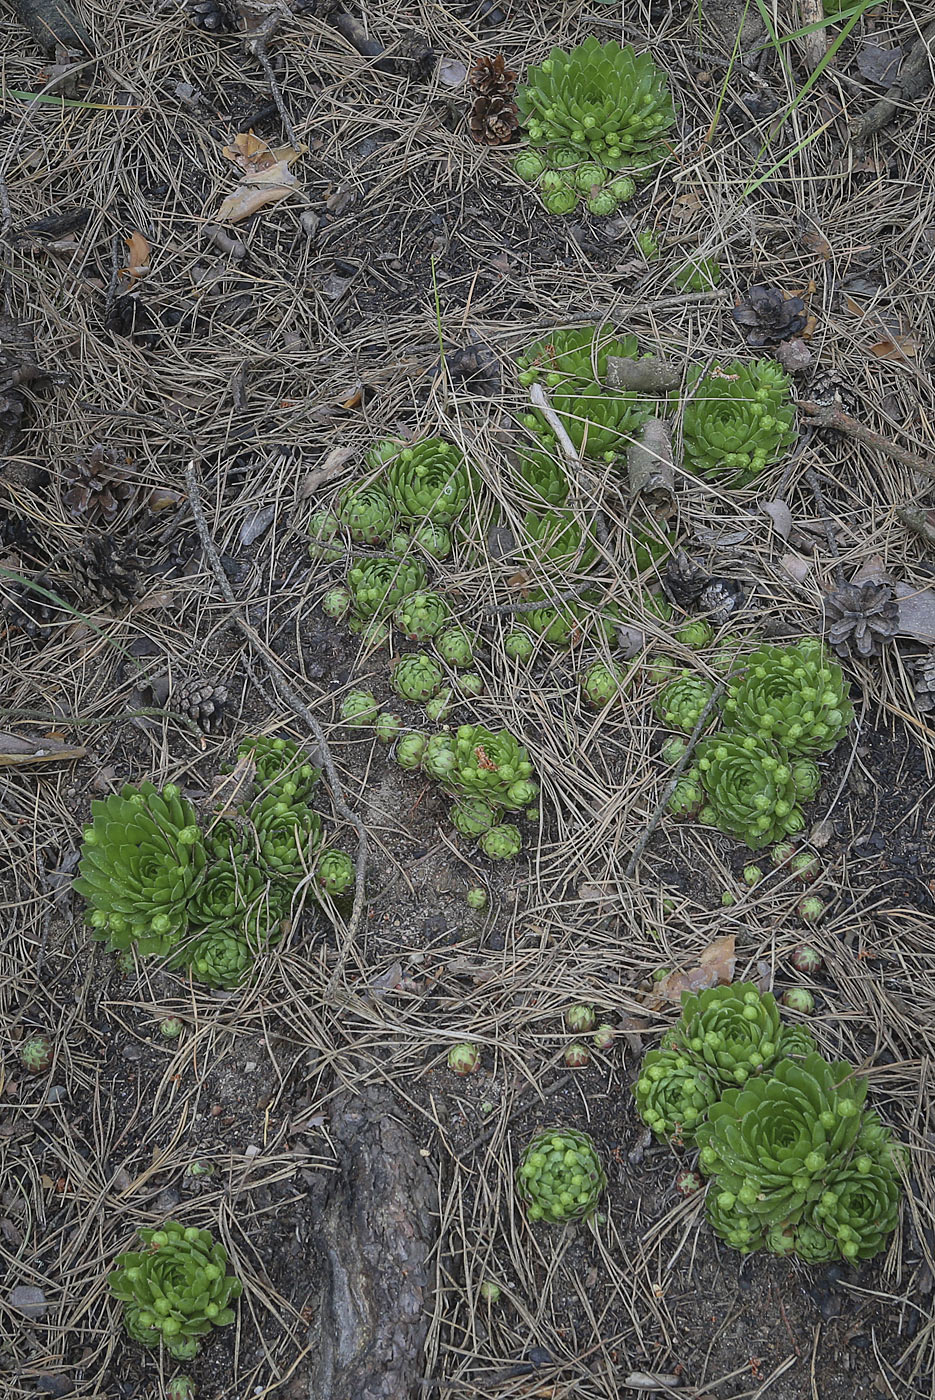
(715, 968)
(896, 346)
(268, 179)
(139, 253)
(816, 242)
(330, 467)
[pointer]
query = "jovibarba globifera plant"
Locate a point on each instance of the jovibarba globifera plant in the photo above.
(208, 900)
(595, 119)
(175, 1289)
(738, 419)
(560, 1177)
(797, 1163)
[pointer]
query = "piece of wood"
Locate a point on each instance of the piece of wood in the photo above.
(53, 23)
(650, 469)
(377, 1233)
(646, 376)
(915, 79)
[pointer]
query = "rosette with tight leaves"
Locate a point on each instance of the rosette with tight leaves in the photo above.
(792, 695)
(366, 513)
(335, 872)
(472, 816)
(737, 420)
(735, 1226)
(858, 1208)
(282, 768)
(681, 703)
(427, 480)
(592, 113)
(560, 1176)
(603, 682)
(673, 1094)
(233, 895)
(142, 860)
(287, 836)
(493, 766)
(772, 1144)
(750, 787)
(176, 1288)
(220, 957)
(502, 842)
(422, 615)
(379, 585)
(545, 476)
(732, 1032)
(572, 366)
(796, 1041)
(416, 677)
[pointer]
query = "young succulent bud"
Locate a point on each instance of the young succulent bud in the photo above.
(439, 759)
(399, 544)
(323, 540)
(518, 646)
(799, 999)
(752, 875)
(197, 1168)
(455, 646)
(439, 707)
(409, 750)
(434, 539)
(501, 842)
(807, 959)
(577, 1056)
(464, 1058)
(387, 726)
(336, 603)
(687, 1183)
(490, 1292)
(335, 872)
(476, 898)
(35, 1053)
(810, 909)
(171, 1028)
(470, 683)
(415, 677)
(805, 866)
(580, 1018)
(673, 750)
(783, 852)
(695, 634)
(604, 1036)
(358, 707)
(727, 899)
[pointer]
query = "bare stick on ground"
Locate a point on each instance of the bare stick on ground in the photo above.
(286, 693)
(915, 79)
(826, 416)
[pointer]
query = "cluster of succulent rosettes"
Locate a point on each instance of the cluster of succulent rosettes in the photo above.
(493, 766)
(737, 419)
(416, 677)
(793, 696)
(557, 539)
(594, 118)
(424, 481)
(560, 1176)
(379, 585)
(142, 861)
(673, 1095)
(572, 366)
(176, 1289)
(682, 701)
(750, 789)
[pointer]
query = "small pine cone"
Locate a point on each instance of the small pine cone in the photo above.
(924, 682)
(99, 486)
(413, 57)
(768, 316)
(108, 570)
(203, 701)
(490, 77)
(721, 598)
(826, 388)
(684, 581)
(860, 618)
(15, 532)
(494, 121)
(475, 369)
(210, 15)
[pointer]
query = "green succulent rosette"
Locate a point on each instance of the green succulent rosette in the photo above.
(859, 1207)
(142, 860)
(687, 796)
(230, 888)
(558, 539)
(792, 695)
(380, 585)
(608, 103)
(502, 842)
(545, 476)
(796, 1042)
(422, 615)
(439, 758)
(812, 1245)
(673, 1094)
(219, 957)
(427, 480)
(560, 1176)
(282, 768)
(455, 646)
(738, 420)
(416, 677)
(750, 788)
(176, 1286)
(493, 766)
(572, 366)
(736, 1227)
(335, 872)
(681, 703)
(287, 834)
(472, 816)
(733, 1032)
(774, 1143)
(366, 513)
(604, 681)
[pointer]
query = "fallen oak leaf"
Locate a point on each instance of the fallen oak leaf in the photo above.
(896, 347)
(267, 176)
(139, 255)
(715, 968)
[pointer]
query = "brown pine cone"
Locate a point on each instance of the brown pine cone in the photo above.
(494, 121)
(29, 609)
(107, 570)
(860, 618)
(769, 317)
(203, 701)
(924, 682)
(210, 15)
(99, 485)
(491, 77)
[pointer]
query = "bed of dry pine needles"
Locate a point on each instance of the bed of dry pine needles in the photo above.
(272, 372)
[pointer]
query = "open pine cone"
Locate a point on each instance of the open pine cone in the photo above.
(107, 570)
(768, 316)
(494, 119)
(99, 485)
(202, 700)
(861, 618)
(924, 682)
(29, 609)
(490, 77)
(210, 15)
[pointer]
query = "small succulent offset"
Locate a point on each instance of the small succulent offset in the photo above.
(560, 1176)
(791, 695)
(359, 707)
(409, 750)
(455, 646)
(673, 1094)
(220, 957)
(545, 476)
(175, 1289)
(492, 766)
(422, 615)
(281, 767)
(335, 872)
(604, 682)
(464, 1058)
(35, 1053)
(750, 787)
(737, 420)
(682, 702)
(427, 480)
(593, 117)
(379, 585)
(366, 513)
(732, 1032)
(416, 677)
(502, 842)
(143, 858)
(472, 816)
